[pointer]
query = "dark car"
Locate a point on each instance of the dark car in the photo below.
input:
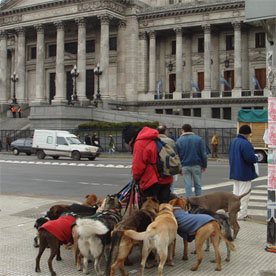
(22, 145)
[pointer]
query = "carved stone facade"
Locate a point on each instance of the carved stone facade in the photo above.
(202, 52)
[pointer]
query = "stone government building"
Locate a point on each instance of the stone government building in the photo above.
(209, 62)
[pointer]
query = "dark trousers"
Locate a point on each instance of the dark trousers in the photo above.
(160, 191)
(214, 150)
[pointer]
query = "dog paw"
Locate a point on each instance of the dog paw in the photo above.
(193, 252)
(227, 260)
(53, 273)
(150, 264)
(213, 261)
(37, 269)
(184, 258)
(194, 268)
(218, 269)
(171, 263)
(128, 262)
(58, 258)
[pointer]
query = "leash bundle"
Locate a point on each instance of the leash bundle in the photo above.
(131, 195)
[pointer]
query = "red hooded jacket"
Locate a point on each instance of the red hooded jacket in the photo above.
(144, 155)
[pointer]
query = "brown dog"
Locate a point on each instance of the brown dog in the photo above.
(91, 200)
(56, 210)
(121, 245)
(54, 233)
(209, 230)
(160, 235)
(221, 200)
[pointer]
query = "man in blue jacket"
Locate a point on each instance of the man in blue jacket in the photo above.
(192, 153)
(242, 170)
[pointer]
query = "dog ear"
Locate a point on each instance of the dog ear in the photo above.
(86, 196)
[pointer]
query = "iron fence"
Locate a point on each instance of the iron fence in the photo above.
(225, 135)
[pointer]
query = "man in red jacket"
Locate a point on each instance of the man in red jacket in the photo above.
(143, 147)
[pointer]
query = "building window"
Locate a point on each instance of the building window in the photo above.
(186, 111)
(169, 111)
(230, 42)
(171, 2)
(260, 40)
(197, 112)
(227, 113)
(159, 111)
(200, 45)
(258, 107)
(216, 113)
(113, 44)
(32, 53)
(246, 107)
(173, 47)
(90, 46)
(52, 49)
(71, 47)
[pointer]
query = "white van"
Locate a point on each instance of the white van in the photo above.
(58, 143)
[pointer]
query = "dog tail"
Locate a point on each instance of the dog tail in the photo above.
(222, 236)
(89, 227)
(139, 236)
(114, 249)
(241, 196)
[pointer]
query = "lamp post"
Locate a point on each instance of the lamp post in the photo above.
(14, 79)
(74, 74)
(98, 72)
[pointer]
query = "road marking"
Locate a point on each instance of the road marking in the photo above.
(53, 180)
(93, 184)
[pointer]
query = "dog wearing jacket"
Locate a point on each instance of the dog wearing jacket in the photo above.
(54, 233)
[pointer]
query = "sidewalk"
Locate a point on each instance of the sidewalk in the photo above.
(19, 213)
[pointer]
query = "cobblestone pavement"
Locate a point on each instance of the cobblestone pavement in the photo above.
(17, 254)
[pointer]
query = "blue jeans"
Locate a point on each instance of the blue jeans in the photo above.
(192, 174)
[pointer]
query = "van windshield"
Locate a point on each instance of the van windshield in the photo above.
(73, 140)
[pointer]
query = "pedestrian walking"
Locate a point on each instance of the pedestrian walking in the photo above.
(172, 136)
(111, 145)
(96, 141)
(13, 110)
(8, 142)
(192, 153)
(19, 111)
(214, 143)
(162, 130)
(242, 171)
(144, 152)
(87, 139)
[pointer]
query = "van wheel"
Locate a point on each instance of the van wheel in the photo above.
(75, 155)
(15, 151)
(261, 156)
(40, 154)
(55, 157)
(91, 158)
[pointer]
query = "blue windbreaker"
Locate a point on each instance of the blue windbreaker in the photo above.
(242, 159)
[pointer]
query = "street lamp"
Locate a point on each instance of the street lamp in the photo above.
(98, 72)
(14, 79)
(75, 73)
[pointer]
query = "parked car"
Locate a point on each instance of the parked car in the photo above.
(22, 145)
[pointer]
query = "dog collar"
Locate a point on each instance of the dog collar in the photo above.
(176, 208)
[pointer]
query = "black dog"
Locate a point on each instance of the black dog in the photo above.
(39, 222)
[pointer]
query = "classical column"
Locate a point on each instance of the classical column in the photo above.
(104, 57)
(188, 61)
(237, 54)
(81, 66)
(152, 62)
(143, 63)
(121, 61)
(215, 65)
(21, 66)
(60, 96)
(207, 60)
(40, 56)
(247, 78)
(3, 67)
(179, 60)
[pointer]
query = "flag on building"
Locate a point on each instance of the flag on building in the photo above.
(158, 86)
(255, 82)
(225, 82)
(194, 85)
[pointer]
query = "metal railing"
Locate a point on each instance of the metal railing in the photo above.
(225, 135)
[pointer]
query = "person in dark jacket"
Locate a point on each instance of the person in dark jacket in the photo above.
(87, 139)
(144, 152)
(241, 159)
(192, 153)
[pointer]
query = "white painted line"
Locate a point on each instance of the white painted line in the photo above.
(86, 183)
(255, 212)
(100, 166)
(72, 164)
(110, 185)
(110, 166)
(58, 181)
(81, 165)
(259, 191)
(38, 179)
(63, 164)
(258, 197)
(257, 204)
(47, 163)
(91, 165)
(120, 166)
(262, 186)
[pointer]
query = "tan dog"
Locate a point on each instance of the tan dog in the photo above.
(221, 200)
(121, 245)
(91, 200)
(160, 235)
(209, 230)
